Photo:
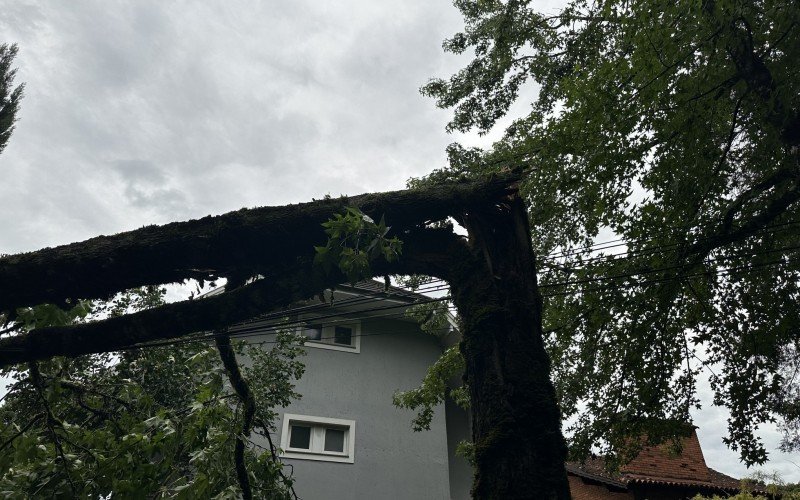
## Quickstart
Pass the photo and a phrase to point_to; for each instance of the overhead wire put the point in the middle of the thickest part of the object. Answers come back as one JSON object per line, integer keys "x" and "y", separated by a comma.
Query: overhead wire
{"x": 336, "y": 317}
{"x": 352, "y": 301}
{"x": 261, "y": 329}
{"x": 721, "y": 272}
{"x": 650, "y": 271}
{"x": 390, "y": 295}
{"x": 616, "y": 258}
{"x": 436, "y": 285}
{"x": 623, "y": 242}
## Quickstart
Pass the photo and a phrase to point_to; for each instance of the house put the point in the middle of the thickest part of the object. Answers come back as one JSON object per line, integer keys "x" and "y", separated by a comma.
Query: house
{"x": 657, "y": 473}
{"x": 344, "y": 439}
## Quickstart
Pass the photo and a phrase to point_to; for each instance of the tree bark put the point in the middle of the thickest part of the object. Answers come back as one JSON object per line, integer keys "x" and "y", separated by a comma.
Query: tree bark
{"x": 519, "y": 449}
{"x": 245, "y": 395}
{"x": 245, "y": 242}
{"x": 516, "y": 424}
{"x": 424, "y": 251}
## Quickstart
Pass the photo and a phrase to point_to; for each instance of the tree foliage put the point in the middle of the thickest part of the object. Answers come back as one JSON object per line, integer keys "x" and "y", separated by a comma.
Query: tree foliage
{"x": 10, "y": 96}
{"x": 149, "y": 422}
{"x": 677, "y": 128}
{"x": 761, "y": 486}
{"x": 355, "y": 240}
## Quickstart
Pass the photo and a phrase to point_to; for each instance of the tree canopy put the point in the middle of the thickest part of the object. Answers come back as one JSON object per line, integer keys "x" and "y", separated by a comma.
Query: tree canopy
{"x": 146, "y": 422}
{"x": 272, "y": 258}
{"x": 676, "y": 127}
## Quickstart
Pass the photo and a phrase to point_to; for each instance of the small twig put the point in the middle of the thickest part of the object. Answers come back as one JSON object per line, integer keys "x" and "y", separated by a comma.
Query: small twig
{"x": 51, "y": 420}
{"x": 71, "y": 384}
{"x": 274, "y": 452}
{"x": 21, "y": 431}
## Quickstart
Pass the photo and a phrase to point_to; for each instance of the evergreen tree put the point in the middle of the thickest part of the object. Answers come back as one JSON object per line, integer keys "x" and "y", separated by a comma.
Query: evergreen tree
{"x": 10, "y": 96}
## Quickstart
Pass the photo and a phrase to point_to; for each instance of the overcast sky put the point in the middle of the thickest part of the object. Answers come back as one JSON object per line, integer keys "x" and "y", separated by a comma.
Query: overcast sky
{"x": 148, "y": 112}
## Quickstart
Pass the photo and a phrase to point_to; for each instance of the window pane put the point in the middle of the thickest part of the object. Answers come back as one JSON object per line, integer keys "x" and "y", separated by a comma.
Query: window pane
{"x": 300, "y": 437}
{"x": 343, "y": 335}
{"x": 313, "y": 332}
{"x": 334, "y": 440}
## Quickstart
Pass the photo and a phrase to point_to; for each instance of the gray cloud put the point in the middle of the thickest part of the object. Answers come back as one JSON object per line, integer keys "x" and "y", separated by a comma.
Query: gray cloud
{"x": 232, "y": 104}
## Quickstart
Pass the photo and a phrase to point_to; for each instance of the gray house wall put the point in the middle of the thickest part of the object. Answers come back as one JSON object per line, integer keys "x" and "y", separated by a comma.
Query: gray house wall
{"x": 391, "y": 460}
{"x": 460, "y": 471}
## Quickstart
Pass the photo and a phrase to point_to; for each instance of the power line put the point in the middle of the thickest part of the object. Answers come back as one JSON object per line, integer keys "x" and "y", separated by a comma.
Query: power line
{"x": 649, "y": 271}
{"x": 210, "y": 337}
{"x": 266, "y": 329}
{"x": 629, "y": 254}
{"x": 325, "y": 305}
{"x": 433, "y": 285}
{"x": 601, "y": 245}
{"x": 262, "y": 329}
{"x": 315, "y": 307}
{"x": 721, "y": 272}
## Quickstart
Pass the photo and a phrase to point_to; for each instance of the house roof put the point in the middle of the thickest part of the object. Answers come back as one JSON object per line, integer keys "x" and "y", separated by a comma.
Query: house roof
{"x": 346, "y": 305}
{"x": 365, "y": 287}
{"x": 658, "y": 465}
{"x": 378, "y": 288}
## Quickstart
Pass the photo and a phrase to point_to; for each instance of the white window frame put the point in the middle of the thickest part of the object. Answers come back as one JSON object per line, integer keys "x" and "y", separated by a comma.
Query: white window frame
{"x": 317, "y": 443}
{"x": 328, "y": 329}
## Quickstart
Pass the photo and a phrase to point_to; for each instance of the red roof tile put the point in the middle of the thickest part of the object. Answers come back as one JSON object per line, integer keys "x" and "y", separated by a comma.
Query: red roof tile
{"x": 658, "y": 465}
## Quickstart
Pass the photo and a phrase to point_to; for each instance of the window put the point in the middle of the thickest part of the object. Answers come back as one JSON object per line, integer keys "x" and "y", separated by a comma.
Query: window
{"x": 318, "y": 438}
{"x": 338, "y": 334}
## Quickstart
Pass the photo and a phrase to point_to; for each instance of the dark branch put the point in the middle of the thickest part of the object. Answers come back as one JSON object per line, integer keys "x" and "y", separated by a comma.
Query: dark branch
{"x": 774, "y": 209}
{"x": 242, "y": 390}
{"x": 80, "y": 388}
{"x": 21, "y": 431}
{"x": 274, "y": 452}
{"x": 50, "y": 419}
{"x": 255, "y": 241}
{"x": 759, "y": 79}
{"x": 425, "y": 251}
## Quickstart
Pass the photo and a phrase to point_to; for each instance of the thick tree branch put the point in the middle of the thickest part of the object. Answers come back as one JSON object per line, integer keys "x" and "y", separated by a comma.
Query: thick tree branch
{"x": 758, "y": 77}
{"x": 425, "y": 251}
{"x": 519, "y": 449}
{"x": 727, "y": 234}
{"x": 242, "y": 390}
{"x": 250, "y": 241}
{"x": 775, "y": 179}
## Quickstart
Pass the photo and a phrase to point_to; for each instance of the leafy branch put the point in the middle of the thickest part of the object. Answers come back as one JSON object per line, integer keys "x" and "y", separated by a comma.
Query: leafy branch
{"x": 355, "y": 240}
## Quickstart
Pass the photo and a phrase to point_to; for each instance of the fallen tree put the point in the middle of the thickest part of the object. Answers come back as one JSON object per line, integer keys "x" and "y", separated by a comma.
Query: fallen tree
{"x": 519, "y": 449}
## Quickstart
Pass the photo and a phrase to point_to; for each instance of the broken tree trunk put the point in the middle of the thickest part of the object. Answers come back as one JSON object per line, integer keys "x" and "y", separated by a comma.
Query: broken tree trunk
{"x": 519, "y": 449}
{"x": 424, "y": 252}
{"x": 245, "y": 242}
{"x": 516, "y": 424}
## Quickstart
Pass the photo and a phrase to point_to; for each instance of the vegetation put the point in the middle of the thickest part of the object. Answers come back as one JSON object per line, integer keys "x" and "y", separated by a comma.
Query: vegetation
{"x": 148, "y": 422}
{"x": 675, "y": 128}
{"x": 518, "y": 449}
{"x": 762, "y": 486}
{"x": 10, "y": 96}
{"x": 355, "y": 240}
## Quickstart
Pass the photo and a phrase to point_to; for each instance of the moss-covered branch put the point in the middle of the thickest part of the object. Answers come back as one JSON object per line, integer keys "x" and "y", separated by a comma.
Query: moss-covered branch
{"x": 249, "y": 241}
{"x": 426, "y": 251}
